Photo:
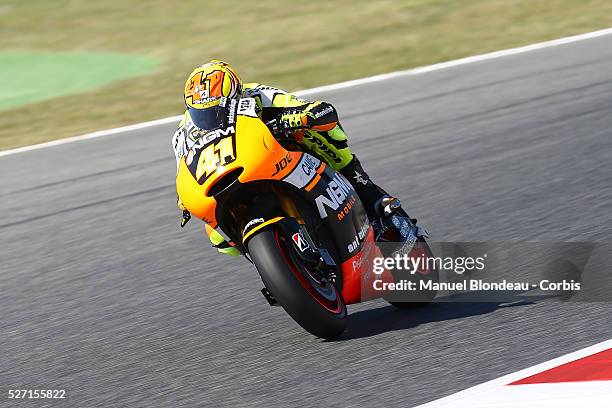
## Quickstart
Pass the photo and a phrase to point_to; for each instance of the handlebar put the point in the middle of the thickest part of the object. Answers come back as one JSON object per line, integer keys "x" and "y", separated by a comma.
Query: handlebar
{"x": 277, "y": 130}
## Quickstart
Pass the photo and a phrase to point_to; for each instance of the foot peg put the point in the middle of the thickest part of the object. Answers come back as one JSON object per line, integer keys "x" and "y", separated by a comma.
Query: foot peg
{"x": 387, "y": 206}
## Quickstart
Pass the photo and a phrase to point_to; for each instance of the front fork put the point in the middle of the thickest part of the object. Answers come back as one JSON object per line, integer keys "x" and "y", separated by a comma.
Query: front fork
{"x": 317, "y": 259}
{"x": 301, "y": 239}
{"x": 319, "y": 262}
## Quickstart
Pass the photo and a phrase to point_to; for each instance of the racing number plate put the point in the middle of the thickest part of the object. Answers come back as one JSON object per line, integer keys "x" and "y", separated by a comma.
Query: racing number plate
{"x": 216, "y": 149}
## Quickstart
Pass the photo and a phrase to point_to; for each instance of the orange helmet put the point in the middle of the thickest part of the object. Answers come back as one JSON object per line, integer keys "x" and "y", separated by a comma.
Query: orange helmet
{"x": 206, "y": 90}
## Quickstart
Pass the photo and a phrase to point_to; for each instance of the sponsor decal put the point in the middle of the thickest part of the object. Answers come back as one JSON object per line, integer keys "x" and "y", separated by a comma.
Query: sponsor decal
{"x": 324, "y": 112}
{"x": 246, "y": 107}
{"x": 300, "y": 241}
{"x": 304, "y": 171}
{"x": 352, "y": 247}
{"x": 252, "y": 223}
{"x": 345, "y": 210}
{"x": 213, "y": 135}
{"x": 309, "y": 164}
{"x": 203, "y": 94}
{"x": 359, "y": 178}
{"x": 402, "y": 225}
{"x": 205, "y": 99}
{"x": 231, "y": 116}
{"x": 175, "y": 139}
{"x": 282, "y": 164}
{"x": 365, "y": 256}
{"x": 336, "y": 194}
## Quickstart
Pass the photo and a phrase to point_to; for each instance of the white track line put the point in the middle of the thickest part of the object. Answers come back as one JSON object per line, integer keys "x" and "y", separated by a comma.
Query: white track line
{"x": 472, "y": 397}
{"x": 93, "y": 135}
{"x": 462, "y": 61}
{"x": 340, "y": 85}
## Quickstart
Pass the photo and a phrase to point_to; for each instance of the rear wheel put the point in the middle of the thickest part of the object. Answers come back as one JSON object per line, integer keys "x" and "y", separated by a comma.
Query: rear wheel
{"x": 312, "y": 301}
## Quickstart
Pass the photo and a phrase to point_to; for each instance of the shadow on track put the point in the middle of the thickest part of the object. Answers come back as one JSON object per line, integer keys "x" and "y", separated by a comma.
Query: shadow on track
{"x": 371, "y": 322}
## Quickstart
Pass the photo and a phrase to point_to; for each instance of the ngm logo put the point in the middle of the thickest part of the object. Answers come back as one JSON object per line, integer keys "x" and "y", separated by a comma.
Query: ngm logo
{"x": 337, "y": 192}
{"x": 204, "y": 138}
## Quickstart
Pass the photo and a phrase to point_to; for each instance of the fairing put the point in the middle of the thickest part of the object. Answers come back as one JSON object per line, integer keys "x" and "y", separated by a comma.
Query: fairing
{"x": 247, "y": 145}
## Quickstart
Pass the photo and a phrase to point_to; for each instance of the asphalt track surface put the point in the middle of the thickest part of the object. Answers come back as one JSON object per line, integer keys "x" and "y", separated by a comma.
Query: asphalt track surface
{"x": 102, "y": 294}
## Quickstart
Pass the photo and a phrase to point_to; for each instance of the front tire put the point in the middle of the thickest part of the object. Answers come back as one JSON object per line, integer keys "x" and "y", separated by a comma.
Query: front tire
{"x": 315, "y": 305}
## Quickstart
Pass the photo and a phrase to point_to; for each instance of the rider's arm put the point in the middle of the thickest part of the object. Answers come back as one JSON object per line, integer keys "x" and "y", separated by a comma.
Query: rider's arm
{"x": 179, "y": 140}
{"x": 295, "y": 112}
{"x": 320, "y": 116}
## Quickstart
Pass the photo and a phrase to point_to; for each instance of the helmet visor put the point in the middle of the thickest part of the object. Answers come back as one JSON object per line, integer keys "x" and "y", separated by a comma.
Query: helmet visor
{"x": 208, "y": 119}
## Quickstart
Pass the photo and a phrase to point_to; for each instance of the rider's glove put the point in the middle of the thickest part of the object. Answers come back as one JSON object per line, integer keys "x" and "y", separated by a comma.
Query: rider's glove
{"x": 295, "y": 120}
{"x": 319, "y": 116}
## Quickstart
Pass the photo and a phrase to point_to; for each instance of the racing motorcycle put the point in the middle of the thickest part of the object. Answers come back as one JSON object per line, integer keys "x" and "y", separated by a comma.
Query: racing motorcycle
{"x": 298, "y": 221}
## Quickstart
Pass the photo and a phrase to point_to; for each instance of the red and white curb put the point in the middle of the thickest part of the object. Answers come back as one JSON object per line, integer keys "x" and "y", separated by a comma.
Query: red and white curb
{"x": 579, "y": 379}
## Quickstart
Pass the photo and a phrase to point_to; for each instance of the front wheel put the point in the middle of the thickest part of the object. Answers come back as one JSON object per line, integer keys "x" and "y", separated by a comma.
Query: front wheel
{"x": 314, "y": 303}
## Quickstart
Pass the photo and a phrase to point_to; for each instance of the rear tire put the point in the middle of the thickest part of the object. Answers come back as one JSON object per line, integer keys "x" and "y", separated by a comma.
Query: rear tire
{"x": 317, "y": 307}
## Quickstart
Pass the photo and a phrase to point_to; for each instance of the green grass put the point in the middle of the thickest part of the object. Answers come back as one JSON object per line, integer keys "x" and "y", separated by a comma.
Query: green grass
{"x": 292, "y": 45}
{"x": 64, "y": 73}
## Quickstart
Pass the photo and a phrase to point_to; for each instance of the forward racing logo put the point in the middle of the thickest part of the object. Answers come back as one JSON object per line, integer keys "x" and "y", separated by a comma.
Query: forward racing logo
{"x": 337, "y": 192}
{"x": 359, "y": 178}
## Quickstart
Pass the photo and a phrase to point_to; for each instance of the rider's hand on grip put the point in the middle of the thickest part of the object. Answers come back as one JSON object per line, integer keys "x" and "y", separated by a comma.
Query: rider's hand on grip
{"x": 294, "y": 120}
{"x": 278, "y": 131}
{"x": 274, "y": 127}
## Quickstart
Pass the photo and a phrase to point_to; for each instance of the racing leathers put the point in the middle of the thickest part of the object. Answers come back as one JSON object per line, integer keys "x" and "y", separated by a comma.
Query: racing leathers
{"x": 314, "y": 125}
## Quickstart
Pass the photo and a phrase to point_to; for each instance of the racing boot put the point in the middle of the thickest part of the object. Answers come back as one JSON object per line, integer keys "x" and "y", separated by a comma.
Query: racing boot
{"x": 390, "y": 221}
{"x": 387, "y": 205}
{"x": 369, "y": 193}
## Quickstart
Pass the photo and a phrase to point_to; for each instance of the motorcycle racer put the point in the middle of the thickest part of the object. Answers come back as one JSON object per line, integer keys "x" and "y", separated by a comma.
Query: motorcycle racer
{"x": 312, "y": 124}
